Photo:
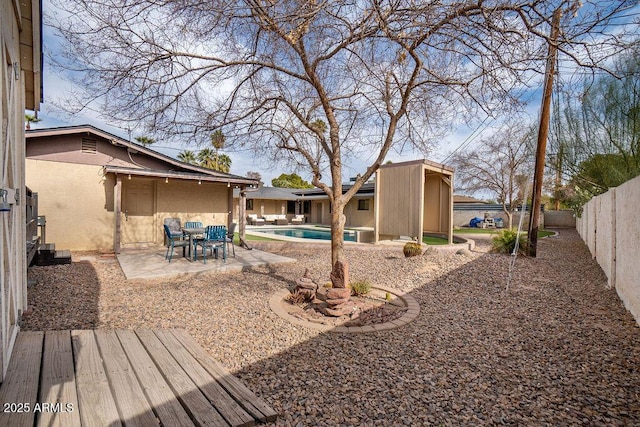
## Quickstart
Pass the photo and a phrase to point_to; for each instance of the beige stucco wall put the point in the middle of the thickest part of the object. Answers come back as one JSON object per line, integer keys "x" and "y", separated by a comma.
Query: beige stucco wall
{"x": 610, "y": 228}
{"x": 78, "y": 204}
{"x": 359, "y": 218}
{"x": 74, "y": 199}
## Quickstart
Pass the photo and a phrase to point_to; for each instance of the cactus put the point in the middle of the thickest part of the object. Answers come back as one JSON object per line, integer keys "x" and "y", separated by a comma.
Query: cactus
{"x": 412, "y": 249}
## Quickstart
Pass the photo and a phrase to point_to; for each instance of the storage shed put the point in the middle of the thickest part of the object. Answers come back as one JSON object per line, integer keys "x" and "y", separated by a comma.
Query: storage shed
{"x": 413, "y": 198}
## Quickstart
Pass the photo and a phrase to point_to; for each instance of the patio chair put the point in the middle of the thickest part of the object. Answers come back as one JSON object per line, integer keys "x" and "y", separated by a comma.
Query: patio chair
{"x": 229, "y": 239}
{"x": 215, "y": 237}
{"x": 173, "y": 241}
{"x": 193, "y": 238}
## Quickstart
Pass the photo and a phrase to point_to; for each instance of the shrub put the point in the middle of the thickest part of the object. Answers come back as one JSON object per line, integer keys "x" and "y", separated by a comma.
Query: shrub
{"x": 505, "y": 241}
{"x": 299, "y": 297}
{"x": 412, "y": 249}
{"x": 360, "y": 288}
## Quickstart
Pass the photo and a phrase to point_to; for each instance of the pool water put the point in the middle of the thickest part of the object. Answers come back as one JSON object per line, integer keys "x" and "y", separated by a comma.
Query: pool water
{"x": 305, "y": 233}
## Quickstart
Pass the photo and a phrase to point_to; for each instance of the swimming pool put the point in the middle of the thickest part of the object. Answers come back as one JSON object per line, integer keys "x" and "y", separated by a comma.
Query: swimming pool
{"x": 306, "y": 233}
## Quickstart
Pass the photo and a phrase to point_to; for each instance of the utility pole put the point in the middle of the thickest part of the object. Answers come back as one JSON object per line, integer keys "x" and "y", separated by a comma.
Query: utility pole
{"x": 543, "y": 130}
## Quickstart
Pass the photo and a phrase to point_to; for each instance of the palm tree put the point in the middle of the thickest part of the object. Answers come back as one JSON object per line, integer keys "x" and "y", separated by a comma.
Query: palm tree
{"x": 144, "y": 140}
{"x": 30, "y": 118}
{"x": 207, "y": 158}
{"x": 223, "y": 163}
{"x": 188, "y": 156}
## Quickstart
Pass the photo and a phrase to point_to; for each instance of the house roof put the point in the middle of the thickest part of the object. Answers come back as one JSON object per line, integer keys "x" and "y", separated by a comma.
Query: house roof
{"x": 279, "y": 193}
{"x": 268, "y": 193}
{"x": 187, "y": 171}
{"x": 460, "y": 198}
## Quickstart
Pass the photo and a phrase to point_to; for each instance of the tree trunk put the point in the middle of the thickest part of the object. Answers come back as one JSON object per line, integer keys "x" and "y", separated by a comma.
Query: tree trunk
{"x": 339, "y": 266}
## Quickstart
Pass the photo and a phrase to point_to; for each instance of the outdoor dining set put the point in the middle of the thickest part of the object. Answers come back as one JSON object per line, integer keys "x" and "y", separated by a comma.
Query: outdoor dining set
{"x": 193, "y": 236}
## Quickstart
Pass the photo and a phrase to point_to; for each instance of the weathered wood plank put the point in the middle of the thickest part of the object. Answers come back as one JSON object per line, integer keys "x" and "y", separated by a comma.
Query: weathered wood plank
{"x": 164, "y": 402}
{"x": 20, "y": 386}
{"x": 236, "y": 388}
{"x": 58, "y": 384}
{"x": 133, "y": 406}
{"x": 97, "y": 406}
{"x": 192, "y": 399}
{"x": 218, "y": 396}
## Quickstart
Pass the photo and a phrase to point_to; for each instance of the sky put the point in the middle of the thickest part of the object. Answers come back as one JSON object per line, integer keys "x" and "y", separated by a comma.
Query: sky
{"x": 462, "y": 134}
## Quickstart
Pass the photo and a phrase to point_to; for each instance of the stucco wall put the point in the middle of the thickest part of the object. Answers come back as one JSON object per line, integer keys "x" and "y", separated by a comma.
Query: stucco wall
{"x": 627, "y": 244}
{"x": 359, "y": 218}
{"x": 605, "y": 231}
{"x": 560, "y": 219}
{"x": 73, "y": 199}
{"x": 609, "y": 226}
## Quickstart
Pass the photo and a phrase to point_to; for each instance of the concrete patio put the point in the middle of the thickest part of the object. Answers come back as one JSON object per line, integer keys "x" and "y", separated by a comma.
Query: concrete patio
{"x": 150, "y": 263}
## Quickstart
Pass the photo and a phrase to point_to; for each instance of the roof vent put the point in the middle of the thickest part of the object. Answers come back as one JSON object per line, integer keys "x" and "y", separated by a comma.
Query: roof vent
{"x": 88, "y": 146}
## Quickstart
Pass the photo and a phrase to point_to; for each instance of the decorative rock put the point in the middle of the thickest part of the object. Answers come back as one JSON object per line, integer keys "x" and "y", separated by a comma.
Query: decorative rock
{"x": 340, "y": 275}
{"x": 306, "y": 284}
{"x": 463, "y": 251}
{"x": 337, "y": 301}
{"x": 338, "y": 293}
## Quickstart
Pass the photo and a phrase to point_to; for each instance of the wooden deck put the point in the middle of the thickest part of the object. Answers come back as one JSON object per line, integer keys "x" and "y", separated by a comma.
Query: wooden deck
{"x": 123, "y": 377}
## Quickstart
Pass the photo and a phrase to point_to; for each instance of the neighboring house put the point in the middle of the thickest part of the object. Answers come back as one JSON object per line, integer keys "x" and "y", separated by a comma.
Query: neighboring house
{"x": 20, "y": 77}
{"x": 101, "y": 192}
{"x": 406, "y": 199}
{"x": 312, "y": 203}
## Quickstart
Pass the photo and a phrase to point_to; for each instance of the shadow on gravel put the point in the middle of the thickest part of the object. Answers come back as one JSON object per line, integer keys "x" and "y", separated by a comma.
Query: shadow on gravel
{"x": 64, "y": 296}
{"x": 556, "y": 348}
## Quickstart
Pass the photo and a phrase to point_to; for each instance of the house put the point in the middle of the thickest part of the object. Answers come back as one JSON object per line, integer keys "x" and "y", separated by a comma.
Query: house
{"x": 20, "y": 77}
{"x": 312, "y": 203}
{"x": 103, "y": 193}
{"x": 407, "y": 199}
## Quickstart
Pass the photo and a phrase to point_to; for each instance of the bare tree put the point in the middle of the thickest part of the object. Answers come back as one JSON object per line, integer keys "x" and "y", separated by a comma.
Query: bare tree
{"x": 267, "y": 73}
{"x": 498, "y": 165}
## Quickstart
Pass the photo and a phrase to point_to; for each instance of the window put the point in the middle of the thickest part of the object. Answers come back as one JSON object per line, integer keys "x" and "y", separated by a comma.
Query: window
{"x": 363, "y": 204}
{"x": 88, "y": 146}
{"x": 249, "y": 204}
{"x": 306, "y": 207}
{"x": 291, "y": 206}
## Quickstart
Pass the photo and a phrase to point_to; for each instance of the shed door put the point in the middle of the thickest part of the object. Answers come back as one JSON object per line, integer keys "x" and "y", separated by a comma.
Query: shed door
{"x": 12, "y": 223}
{"x": 138, "y": 207}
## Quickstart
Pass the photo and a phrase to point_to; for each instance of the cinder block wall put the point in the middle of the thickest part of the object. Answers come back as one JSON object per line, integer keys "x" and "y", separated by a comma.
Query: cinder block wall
{"x": 609, "y": 226}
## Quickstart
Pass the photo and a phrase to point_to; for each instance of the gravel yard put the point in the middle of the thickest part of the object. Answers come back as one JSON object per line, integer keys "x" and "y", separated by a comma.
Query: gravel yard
{"x": 557, "y": 348}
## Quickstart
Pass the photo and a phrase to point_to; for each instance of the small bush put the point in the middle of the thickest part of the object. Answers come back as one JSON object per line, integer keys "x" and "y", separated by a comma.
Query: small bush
{"x": 360, "y": 288}
{"x": 412, "y": 249}
{"x": 505, "y": 241}
{"x": 299, "y": 297}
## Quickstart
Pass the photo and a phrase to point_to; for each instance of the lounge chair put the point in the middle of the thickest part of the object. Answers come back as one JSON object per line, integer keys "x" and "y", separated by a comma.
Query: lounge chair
{"x": 253, "y": 219}
{"x": 297, "y": 220}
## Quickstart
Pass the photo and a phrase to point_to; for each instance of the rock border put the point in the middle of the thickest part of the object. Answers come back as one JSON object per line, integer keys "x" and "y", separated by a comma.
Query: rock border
{"x": 413, "y": 309}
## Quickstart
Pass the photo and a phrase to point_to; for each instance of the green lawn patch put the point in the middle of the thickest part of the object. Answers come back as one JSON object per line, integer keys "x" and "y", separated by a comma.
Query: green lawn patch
{"x": 432, "y": 240}
{"x": 541, "y": 233}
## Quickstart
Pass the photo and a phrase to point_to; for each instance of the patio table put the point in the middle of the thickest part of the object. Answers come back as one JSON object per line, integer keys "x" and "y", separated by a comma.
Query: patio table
{"x": 192, "y": 233}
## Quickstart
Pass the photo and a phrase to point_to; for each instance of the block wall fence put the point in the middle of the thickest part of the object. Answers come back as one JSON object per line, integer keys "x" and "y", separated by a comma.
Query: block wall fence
{"x": 610, "y": 226}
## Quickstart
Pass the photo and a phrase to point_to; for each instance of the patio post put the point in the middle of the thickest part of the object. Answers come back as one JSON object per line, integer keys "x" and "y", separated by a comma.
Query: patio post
{"x": 242, "y": 220}
{"x": 117, "y": 207}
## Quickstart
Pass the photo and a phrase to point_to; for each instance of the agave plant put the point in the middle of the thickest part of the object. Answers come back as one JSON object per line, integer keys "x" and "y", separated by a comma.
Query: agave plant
{"x": 505, "y": 241}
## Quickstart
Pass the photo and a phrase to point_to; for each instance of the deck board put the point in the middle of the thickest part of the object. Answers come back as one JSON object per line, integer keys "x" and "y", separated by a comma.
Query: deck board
{"x": 228, "y": 407}
{"x": 130, "y": 399}
{"x": 21, "y": 383}
{"x": 164, "y": 402}
{"x": 123, "y": 377}
{"x": 192, "y": 399}
{"x": 96, "y": 403}
{"x": 58, "y": 382}
{"x": 254, "y": 405}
